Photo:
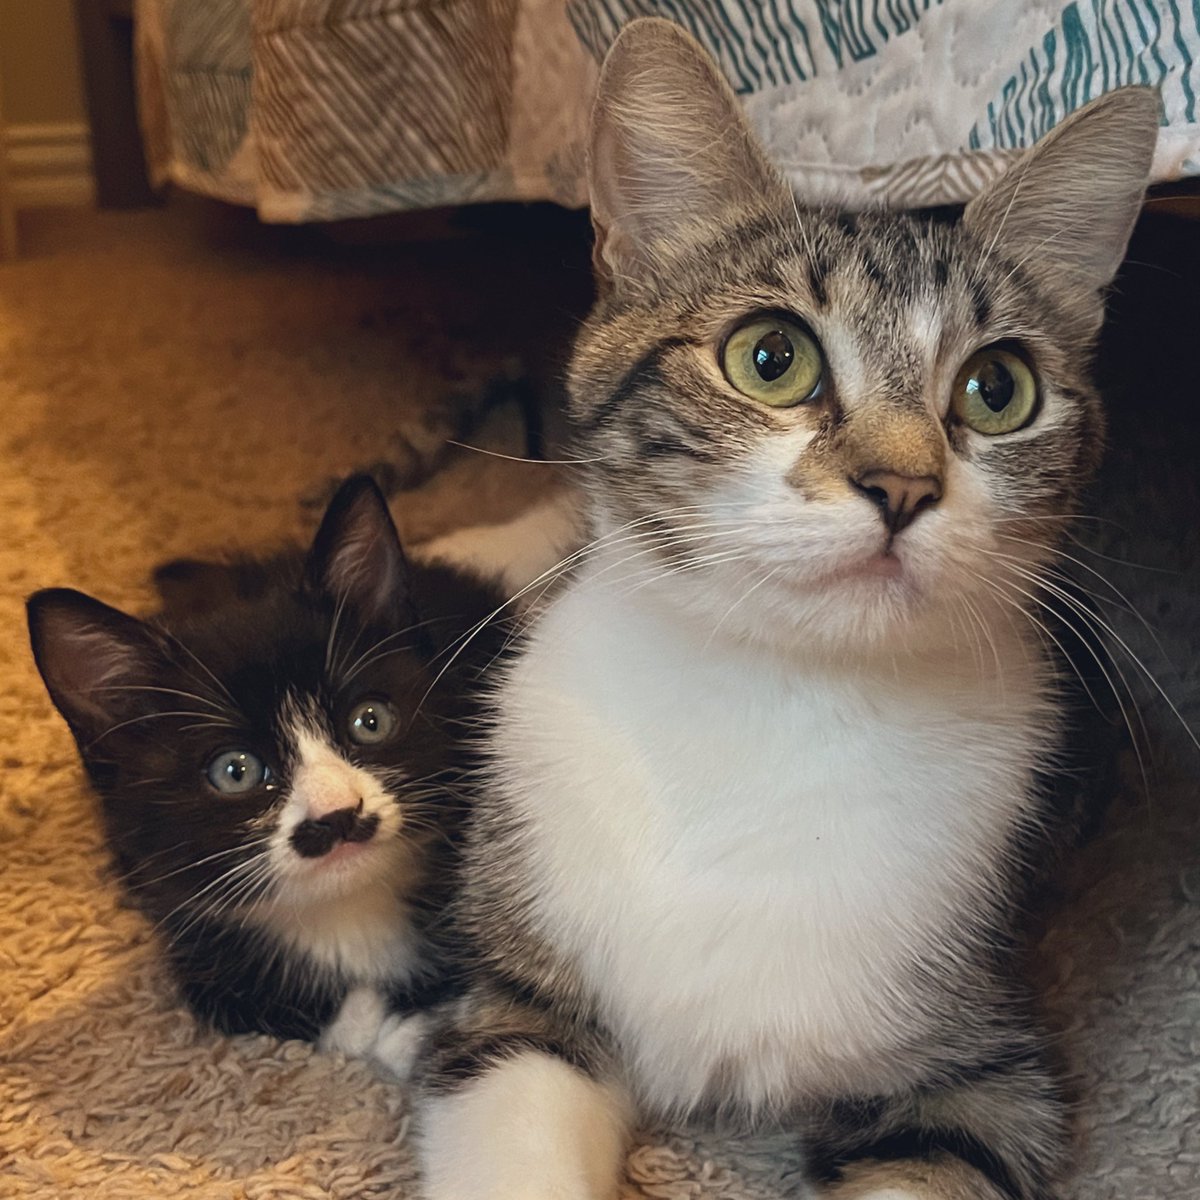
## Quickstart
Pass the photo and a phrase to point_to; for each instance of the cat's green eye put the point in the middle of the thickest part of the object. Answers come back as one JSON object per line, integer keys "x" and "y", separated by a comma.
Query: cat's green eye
{"x": 237, "y": 772}
{"x": 995, "y": 392}
{"x": 774, "y": 361}
{"x": 373, "y": 722}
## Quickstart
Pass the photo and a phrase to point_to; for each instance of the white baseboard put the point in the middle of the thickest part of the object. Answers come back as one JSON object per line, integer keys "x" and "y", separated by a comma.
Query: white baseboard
{"x": 49, "y": 164}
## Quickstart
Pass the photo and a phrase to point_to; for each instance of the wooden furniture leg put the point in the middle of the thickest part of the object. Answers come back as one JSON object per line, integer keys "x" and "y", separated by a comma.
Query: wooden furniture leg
{"x": 106, "y": 44}
{"x": 8, "y": 213}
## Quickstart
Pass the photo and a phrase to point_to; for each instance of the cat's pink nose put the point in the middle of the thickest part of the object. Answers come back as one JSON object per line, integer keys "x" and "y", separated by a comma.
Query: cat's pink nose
{"x": 325, "y": 788}
{"x": 901, "y": 499}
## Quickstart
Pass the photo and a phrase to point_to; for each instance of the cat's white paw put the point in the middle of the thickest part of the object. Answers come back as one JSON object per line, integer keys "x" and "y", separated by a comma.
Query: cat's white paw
{"x": 398, "y": 1044}
{"x": 883, "y": 1191}
{"x": 942, "y": 1178}
{"x": 358, "y": 1023}
{"x": 892, "y": 1193}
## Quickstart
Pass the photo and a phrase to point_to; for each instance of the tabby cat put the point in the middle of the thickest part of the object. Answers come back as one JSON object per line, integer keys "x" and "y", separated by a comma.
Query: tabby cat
{"x": 760, "y": 801}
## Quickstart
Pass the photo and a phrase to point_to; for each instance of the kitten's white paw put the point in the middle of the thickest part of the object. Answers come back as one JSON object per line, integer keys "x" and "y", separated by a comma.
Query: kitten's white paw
{"x": 398, "y": 1043}
{"x": 358, "y": 1022}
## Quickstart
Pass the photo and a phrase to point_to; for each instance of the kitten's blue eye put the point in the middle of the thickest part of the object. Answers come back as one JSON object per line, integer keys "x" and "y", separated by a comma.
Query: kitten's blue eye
{"x": 237, "y": 772}
{"x": 373, "y": 722}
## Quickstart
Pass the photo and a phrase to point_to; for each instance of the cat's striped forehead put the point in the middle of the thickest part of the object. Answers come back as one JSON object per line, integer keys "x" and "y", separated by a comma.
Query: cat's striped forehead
{"x": 904, "y": 285}
{"x": 897, "y": 303}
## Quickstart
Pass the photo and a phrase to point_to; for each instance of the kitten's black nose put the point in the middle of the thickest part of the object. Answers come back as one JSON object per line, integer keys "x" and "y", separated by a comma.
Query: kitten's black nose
{"x": 901, "y": 499}
{"x": 317, "y": 836}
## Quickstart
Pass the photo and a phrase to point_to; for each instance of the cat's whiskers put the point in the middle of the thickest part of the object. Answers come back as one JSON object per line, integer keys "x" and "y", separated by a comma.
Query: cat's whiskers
{"x": 761, "y": 582}
{"x": 217, "y": 707}
{"x": 241, "y": 848}
{"x": 1120, "y": 562}
{"x": 680, "y": 537}
{"x": 983, "y": 634}
{"x": 679, "y": 541}
{"x": 213, "y": 906}
{"x": 1108, "y": 633}
{"x": 1124, "y": 600}
{"x": 331, "y": 641}
{"x": 546, "y": 580}
{"x": 359, "y": 665}
{"x": 1036, "y": 249}
{"x": 657, "y": 572}
{"x": 808, "y": 246}
{"x": 246, "y": 895}
{"x": 415, "y": 827}
{"x": 1065, "y": 519}
{"x": 153, "y": 716}
{"x": 1055, "y": 581}
{"x": 546, "y": 462}
{"x": 199, "y": 725}
{"x": 221, "y": 688}
{"x": 991, "y": 246}
{"x": 1035, "y": 602}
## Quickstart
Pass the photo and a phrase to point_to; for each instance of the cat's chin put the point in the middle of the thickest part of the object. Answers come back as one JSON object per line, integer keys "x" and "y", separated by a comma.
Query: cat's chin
{"x": 876, "y": 567}
{"x": 870, "y": 605}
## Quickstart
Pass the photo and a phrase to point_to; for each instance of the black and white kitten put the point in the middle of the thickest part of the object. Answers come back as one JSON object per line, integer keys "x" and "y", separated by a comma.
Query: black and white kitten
{"x": 277, "y": 757}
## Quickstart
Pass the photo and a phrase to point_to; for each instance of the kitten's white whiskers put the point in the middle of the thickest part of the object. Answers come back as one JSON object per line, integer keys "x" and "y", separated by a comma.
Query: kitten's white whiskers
{"x": 217, "y": 707}
{"x": 200, "y": 862}
{"x": 206, "y": 718}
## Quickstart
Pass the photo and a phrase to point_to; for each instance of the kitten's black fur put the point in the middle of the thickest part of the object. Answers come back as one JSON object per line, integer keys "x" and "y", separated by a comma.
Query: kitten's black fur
{"x": 238, "y": 655}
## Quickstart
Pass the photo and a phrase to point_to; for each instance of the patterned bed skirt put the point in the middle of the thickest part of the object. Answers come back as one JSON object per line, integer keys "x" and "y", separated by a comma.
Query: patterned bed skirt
{"x": 314, "y": 110}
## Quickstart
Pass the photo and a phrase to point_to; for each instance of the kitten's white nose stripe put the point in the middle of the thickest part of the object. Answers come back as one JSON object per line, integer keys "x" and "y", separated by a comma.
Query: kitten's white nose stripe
{"x": 324, "y": 782}
{"x": 325, "y": 787}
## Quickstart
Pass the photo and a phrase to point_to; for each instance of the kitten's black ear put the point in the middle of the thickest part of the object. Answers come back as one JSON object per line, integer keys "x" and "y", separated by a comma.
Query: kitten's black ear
{"x": 671, "y": 157}
{"x": 1067, "y": 207}
{"x": 356, "y": 557}
{"x": 93, "y": 659}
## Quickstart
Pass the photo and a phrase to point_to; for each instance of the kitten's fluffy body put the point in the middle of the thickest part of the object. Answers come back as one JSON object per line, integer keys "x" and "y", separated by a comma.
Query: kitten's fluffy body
{"x": 762, "y": 797}
{"x": 313, "y": 903}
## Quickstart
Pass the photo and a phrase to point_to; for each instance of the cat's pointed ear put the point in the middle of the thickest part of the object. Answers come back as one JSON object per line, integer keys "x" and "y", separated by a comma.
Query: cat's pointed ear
{"x": 356, "y": 557}
{"x": 1066, "y": 208}
{"x": 671, "y": 155}
{"x": 96, "y": 661}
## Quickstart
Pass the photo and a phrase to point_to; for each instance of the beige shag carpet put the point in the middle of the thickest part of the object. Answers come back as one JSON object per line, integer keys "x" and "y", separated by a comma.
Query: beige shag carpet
{"x": 171, "y": 383}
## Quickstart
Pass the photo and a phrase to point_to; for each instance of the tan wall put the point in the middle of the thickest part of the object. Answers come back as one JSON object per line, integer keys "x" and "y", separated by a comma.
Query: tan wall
{"x": 39, "y": 62}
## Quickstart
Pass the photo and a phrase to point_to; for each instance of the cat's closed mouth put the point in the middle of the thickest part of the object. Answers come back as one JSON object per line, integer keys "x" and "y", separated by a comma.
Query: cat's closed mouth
{"x": 343, "y": 854}
{"x": 883, "y": 565}
{"x": 879, "y": 566}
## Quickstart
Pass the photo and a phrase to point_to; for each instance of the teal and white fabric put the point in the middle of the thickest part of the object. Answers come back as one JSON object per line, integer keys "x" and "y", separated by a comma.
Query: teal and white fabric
{"x": 319, "y": 109}
{"x": 916, "y": 102}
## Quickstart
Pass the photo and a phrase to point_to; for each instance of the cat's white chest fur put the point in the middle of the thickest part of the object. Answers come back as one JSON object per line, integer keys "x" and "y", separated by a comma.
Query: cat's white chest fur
{"x": 744, "y": 857}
